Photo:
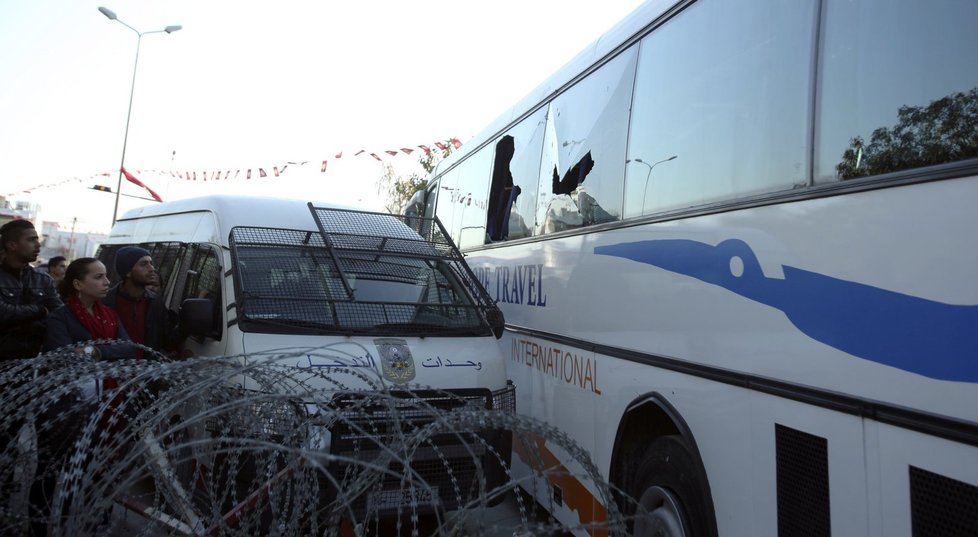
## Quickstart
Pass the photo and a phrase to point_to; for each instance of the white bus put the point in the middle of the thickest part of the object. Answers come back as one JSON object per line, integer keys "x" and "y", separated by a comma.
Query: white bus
{"x": 734, "y": 243}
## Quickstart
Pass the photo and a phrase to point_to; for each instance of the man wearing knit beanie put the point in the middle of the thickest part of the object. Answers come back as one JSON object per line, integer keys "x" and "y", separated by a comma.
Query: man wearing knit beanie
{"x": 128, "y": 256}
{"x": 142, "y": 311}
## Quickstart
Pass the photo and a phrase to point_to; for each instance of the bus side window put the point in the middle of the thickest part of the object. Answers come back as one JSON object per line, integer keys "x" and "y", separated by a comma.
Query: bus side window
{"x": 899, "y": 87}
{"x": 729, "y": 119}
{"x": 514, "y": 180}
{"x": 584, "y": 149}
{"x": 502, "y": 194}
{"x": 472, "y": 199}
{"x": 491, "y": 196}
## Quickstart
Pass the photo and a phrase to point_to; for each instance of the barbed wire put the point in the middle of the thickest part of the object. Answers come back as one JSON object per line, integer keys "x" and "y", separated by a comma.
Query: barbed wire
{"x": 253, "y": 445}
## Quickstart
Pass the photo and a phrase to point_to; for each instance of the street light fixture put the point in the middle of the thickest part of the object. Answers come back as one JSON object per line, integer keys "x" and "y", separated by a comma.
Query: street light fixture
{"x": 645, "y": 191}
{"x": 103, "y": 188}
{"x": 169, "y": 29}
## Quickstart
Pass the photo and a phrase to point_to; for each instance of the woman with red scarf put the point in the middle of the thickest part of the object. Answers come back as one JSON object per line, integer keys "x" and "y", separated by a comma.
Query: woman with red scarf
{"x": 83, "y": 317}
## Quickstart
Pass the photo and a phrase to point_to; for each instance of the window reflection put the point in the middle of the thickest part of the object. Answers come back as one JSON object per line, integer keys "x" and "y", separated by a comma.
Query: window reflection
{"x": 448, "y": 202}
{"x": 873, "y": 117}
{"x": 724, "y": 88}
{"x": 472, "y": 199}
{"x": 648, "y": 175}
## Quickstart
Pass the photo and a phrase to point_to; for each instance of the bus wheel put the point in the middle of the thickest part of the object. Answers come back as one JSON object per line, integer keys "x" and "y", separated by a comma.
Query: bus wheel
{"x": 668, "y": 495}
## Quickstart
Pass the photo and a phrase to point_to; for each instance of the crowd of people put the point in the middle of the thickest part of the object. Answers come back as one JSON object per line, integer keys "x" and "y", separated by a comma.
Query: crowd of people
{"x": 73, "y": 307}
{"x": 74, "y": 302}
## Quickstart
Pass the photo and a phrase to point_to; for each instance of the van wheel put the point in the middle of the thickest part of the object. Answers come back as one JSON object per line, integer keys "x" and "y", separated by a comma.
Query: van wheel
{"x": 669, "y": 495}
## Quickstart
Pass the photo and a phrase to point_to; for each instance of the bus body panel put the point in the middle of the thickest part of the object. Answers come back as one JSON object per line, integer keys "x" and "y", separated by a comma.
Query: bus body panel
{"x": 802, "y": 281}
{"x": 904, "y": 262}
{"x": 649, "y": 310}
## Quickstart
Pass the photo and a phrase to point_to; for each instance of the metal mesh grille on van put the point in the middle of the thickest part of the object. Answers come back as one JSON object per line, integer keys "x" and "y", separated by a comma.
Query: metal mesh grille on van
{"x": 376, "y": 277}
{"x": 400, "y": 235}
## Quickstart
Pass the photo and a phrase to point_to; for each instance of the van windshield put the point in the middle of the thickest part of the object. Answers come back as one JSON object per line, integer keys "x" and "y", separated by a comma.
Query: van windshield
{"x": 292, "y": 281}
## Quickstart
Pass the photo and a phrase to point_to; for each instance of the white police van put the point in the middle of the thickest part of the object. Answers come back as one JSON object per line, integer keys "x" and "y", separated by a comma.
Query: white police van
{"x": 384, "y": 294}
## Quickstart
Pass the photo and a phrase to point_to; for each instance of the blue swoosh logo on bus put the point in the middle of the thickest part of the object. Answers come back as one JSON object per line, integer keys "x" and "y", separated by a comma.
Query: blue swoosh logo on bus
{"x": 926, "y": 337}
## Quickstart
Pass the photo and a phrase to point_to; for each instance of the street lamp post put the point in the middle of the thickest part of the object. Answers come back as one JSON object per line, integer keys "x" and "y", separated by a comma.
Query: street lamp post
{"x": 132, "y": 89}
{"x": 645, "y": 191}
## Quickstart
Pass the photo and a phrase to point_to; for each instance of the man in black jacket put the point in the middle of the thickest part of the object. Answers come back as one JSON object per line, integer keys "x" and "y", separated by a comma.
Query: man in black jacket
{"x": 26, "y": 298}
{"x": 26, "y": 295}
{"x": 143, "y": 313}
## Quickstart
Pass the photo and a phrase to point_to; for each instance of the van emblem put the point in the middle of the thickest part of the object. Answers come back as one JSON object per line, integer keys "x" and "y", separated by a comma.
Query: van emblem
{"x": 396, "y": 360}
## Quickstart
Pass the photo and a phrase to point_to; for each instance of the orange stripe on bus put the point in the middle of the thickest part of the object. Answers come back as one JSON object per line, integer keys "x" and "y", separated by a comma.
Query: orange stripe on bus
{"x": 590, "y": 512}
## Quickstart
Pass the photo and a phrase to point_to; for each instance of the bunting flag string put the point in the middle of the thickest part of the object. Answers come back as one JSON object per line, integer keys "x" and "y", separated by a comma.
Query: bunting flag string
{"x": 225, "y": 174}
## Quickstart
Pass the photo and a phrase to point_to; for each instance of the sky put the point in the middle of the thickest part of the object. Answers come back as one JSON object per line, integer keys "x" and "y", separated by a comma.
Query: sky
{"x": 249, "y": 84}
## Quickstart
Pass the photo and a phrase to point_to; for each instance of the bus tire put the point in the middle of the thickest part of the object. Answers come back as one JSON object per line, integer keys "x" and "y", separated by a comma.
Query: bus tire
{"x": 669, "y": 497}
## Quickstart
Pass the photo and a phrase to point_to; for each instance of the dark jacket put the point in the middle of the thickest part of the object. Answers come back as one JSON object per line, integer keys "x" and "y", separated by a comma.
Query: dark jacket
{"x": 161, "y": 331}
{"x": 64, "y": 328}
{"x": 24, "y": 297}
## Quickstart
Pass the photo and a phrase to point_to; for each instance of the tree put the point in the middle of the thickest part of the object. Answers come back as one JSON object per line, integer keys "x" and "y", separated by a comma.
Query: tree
{"x": 398, "y": 189}
{"x": 946, "y": 130}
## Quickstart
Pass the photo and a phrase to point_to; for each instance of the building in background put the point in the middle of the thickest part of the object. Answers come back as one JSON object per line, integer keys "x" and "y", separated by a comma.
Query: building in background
{"x": 57, "y": 238}
{"x": 16, "y": 210}
{"x": 70, "y": 243}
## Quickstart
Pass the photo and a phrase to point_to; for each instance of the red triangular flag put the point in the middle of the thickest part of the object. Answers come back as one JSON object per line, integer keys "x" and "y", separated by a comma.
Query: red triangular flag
{"x": 441, "y": 146}
{"x": 374, "y": 155}
{"x": 456, "y": 143}
{"x": 391, "y": 153}
{"x": 324, "y": 165}
{"x": 407, "y": 150}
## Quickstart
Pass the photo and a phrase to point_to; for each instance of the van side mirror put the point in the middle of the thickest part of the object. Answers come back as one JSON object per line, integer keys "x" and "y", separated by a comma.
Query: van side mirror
{"x": 496, "y": 321}
{"x": 196, "y": 316}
